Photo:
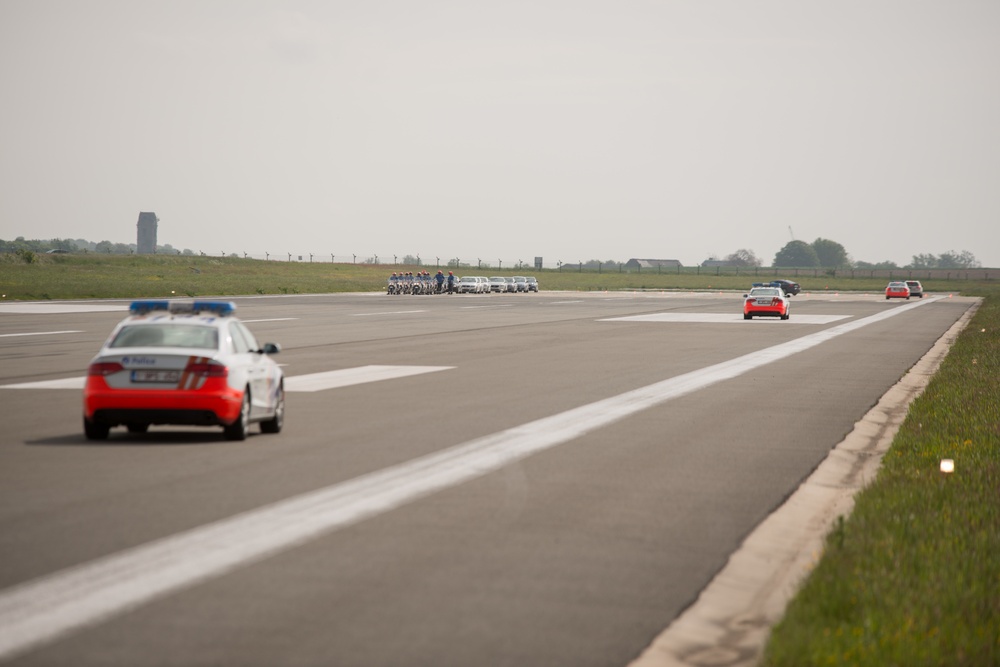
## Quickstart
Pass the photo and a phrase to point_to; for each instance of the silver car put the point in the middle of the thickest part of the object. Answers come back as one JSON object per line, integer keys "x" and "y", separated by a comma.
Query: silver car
{"x": 468, "y": 285}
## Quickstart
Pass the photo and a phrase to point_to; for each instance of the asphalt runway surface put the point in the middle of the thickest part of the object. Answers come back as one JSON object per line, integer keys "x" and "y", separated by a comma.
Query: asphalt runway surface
{"x": 519, "y": 479}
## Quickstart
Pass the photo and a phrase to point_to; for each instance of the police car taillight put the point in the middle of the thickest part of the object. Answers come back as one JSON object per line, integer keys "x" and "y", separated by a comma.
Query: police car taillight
{"x": 102, "y": 368}
{"x": 206, "y": 369}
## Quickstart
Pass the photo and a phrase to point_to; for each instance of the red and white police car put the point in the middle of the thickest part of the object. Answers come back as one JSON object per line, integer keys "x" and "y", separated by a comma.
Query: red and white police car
{"x": 188, "y": 363}
{"x": 767, "y": 301}
{"x": 897, "y": 289}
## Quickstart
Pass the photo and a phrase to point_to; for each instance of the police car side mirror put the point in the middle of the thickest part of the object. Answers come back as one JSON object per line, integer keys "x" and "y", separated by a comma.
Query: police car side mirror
{"x": 271, "y": 348}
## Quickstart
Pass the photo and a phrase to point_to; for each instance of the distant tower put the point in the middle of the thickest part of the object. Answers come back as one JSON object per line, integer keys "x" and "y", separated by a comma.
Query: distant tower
{"x": 147, "y": 233}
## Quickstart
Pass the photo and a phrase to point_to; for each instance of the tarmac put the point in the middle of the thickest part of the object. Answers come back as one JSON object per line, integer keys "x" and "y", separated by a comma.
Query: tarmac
{"x": 730, "y": 622}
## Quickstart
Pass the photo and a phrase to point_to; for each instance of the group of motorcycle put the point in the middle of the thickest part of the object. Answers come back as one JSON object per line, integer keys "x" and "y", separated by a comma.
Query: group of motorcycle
{"x": 420, "y": 282}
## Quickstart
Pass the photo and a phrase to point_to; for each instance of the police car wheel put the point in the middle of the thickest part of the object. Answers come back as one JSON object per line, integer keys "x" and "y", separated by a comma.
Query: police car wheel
{"x": 95, "y": 430}
{"x": 274, "y": 425}
{"x": 238, "y": 429}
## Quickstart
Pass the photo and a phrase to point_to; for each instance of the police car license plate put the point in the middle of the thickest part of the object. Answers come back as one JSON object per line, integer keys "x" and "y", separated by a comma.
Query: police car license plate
{"x": 149, "y": 375}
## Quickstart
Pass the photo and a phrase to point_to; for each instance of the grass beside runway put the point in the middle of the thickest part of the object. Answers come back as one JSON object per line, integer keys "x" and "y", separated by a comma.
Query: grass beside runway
{"x": 96, "y": 276}
{"x": 912, "y": 576}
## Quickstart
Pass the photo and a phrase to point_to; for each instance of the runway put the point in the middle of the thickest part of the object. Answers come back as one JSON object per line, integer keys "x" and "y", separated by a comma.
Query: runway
{"x": 557, "y": 477}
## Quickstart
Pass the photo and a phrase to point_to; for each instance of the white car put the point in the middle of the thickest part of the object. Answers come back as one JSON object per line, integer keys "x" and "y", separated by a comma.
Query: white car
{"x": 532, "y": 284}
{"x": 468, "y": 285}
{"x": 498, "y": 284}
{"x": 183, "y": 363}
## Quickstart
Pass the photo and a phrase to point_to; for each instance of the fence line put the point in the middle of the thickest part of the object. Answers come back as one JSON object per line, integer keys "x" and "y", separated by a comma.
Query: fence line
{"x": 501, "y": 266}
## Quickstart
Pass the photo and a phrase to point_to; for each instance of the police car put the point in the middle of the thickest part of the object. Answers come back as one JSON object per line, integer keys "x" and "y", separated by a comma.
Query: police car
{"x": 766, "y": 301}
{"x": 897, "y": 289}
{"x": 183, "y": 363}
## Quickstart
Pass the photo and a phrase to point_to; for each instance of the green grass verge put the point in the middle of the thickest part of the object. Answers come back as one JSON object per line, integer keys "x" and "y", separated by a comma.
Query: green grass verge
{"x": 31, "y": 277}
{"x": 912, "y": 577}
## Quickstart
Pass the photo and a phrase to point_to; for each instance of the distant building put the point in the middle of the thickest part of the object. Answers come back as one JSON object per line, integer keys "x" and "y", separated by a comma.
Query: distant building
{"x": 146, "y": 239}
{"x": 713, "y": 263}
{"x": 642, "y": 264}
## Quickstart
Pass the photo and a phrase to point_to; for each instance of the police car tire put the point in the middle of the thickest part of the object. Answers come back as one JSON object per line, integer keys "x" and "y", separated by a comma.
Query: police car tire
{"x": 238, "y": 429}
{"x": 95, "y": 430}
{"x": 274, "y": 425}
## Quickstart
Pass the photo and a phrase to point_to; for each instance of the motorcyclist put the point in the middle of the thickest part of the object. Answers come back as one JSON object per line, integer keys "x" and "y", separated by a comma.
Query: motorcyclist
{"x": 451, "y": 282}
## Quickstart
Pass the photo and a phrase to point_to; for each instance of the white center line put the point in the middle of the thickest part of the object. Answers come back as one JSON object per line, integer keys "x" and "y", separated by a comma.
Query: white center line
{"x": 42, "y": 610}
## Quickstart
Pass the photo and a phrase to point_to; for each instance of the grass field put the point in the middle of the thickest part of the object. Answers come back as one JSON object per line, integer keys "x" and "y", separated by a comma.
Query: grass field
{"x": 31, "y": 276}
{"x": 911, "y": 578}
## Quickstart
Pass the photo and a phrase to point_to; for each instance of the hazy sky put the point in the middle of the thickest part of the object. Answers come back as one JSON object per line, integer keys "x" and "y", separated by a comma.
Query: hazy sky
{"x": 571, "y": 130}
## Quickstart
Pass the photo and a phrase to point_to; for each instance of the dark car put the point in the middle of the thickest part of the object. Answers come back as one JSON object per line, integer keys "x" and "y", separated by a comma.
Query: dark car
{"x": 787, "y": 286}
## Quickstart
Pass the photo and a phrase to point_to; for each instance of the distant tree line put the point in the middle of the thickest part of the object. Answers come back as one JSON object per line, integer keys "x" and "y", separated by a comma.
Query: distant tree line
{"x": 821, "y": 253}
{"x": 824, "y": 253}
{"x": 20, "y": 244}
{"x": 827, "y": 254}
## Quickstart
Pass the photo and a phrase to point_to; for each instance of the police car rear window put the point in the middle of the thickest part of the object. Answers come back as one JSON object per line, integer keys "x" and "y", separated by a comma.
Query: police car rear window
{"x": 172, "y": 335}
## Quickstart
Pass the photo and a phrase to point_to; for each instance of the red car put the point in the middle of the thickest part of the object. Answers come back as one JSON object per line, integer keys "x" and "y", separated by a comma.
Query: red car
{"x": 767, "y": 301}
{"x": 897, "y": 290}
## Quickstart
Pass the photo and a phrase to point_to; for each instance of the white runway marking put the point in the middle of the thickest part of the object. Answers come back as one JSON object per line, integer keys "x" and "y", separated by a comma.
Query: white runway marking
{"x": 724, "y": 318}
{"x": 40, "y": 611}
{"x": 64, "y": 383}
{"x": 351, "y": 376}
{"x": 38, "y": 333}
{"x": 272, "y": 319}
{"x": 56, "y": 308}
{"x": 388, "y": 312}
{"x": 311, "y": 382}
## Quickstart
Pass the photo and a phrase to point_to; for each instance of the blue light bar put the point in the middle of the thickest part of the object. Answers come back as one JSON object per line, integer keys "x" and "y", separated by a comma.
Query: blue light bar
{"x": 146, "y": 307}
{"x": 219, "y": 308}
